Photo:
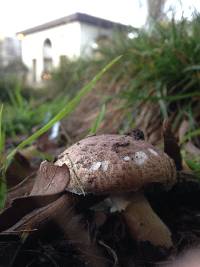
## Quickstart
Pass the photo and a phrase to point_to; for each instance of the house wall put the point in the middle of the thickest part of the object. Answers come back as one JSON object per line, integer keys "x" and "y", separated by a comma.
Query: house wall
{"x": 65, "y": 40}
{"x": 89, "y": 34}
{"x": 72, "y": 40}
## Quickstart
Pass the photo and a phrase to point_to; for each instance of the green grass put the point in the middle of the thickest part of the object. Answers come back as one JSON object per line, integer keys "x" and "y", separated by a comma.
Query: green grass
{"x": 190, "y": 135}
{"x": 98, "y": 121}
{"x": 194, "y": 165}
{"x": 20, "y": 119}
{"x": 162, "y": 67}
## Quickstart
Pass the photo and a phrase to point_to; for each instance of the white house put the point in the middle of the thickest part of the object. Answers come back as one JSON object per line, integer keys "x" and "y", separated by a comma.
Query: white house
{"x": 72, "y": 36}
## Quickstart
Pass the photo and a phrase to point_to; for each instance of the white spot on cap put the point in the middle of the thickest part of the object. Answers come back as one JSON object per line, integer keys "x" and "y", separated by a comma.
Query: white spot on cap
{"x": 95, "y": 166}
{"x": 140, "y": 157}
{"x": 104, "y": 165}
{"x": 99, "y": 164}
{"x": 153, "y": 152}
{"x": 126, "y": 158}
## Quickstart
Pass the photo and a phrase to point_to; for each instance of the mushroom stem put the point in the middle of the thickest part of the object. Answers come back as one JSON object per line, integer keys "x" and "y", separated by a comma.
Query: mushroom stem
{"x": 144, "y": 224}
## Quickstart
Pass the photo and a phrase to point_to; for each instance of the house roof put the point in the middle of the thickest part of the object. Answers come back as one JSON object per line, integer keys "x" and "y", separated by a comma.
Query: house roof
{"x": 81, "y": 17}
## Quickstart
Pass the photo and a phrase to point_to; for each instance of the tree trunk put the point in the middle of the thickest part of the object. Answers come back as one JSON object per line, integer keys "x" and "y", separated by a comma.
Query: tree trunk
{"x": 155, "y": 11}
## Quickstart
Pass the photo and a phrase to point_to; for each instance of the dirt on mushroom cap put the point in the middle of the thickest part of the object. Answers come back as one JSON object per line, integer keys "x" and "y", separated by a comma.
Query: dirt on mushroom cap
{"x": 115, "y": 164}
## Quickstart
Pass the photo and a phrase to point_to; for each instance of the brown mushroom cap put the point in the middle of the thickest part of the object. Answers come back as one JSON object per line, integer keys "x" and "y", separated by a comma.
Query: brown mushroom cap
{"x": 115, "y": 164}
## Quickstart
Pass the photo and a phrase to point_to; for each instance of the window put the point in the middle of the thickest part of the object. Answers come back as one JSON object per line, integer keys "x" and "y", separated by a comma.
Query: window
{"x": 47, "y": 59}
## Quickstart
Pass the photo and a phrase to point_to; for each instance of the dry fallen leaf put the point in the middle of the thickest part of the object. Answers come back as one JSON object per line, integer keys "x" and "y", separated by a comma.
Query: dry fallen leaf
{"x": 51, "y": 179}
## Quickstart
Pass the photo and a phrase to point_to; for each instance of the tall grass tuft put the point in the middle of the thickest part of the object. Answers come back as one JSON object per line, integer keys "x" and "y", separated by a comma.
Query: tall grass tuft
{"x": 161, "y": 67}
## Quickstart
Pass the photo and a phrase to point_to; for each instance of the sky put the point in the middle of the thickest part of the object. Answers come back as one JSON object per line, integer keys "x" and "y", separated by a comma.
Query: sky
{"x": 18, "y": 15}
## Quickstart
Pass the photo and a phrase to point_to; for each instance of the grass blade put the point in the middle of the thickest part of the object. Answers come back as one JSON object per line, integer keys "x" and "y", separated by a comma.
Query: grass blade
{"x": 98, "y": 120}
{"x": 191, "y": 134}
{"x": 194, "y": 166}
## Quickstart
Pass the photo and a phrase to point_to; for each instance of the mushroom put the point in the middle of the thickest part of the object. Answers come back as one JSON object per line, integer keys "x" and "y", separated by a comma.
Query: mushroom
{"x": 122, "y": 166}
